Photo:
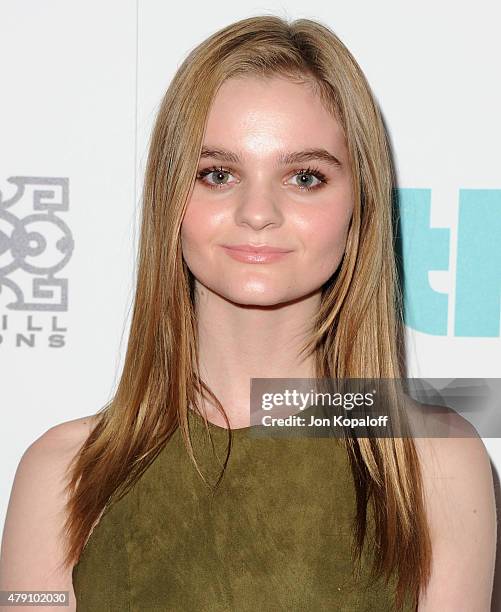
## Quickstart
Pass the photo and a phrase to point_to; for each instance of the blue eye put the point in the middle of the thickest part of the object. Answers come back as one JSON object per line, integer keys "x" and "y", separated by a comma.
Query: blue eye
{"x": 220, "y": 173}
{"x": 213, "y": 170}
{"x": 311, "y": 172}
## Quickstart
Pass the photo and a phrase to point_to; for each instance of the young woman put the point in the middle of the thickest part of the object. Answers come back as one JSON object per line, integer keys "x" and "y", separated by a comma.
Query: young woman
{"x": 267, "y": 139}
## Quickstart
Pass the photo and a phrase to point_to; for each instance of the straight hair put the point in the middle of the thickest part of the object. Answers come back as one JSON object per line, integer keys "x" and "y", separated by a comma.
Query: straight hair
{"x": 358, "y": 329}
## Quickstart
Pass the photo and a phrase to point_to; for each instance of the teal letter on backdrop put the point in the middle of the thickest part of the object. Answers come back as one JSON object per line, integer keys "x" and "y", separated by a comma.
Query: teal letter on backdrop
{"x": 423, "y": 249}
{"x": 478, "y": 277}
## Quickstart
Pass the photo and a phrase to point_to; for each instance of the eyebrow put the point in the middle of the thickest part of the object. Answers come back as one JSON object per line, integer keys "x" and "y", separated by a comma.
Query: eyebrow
{"x": 284, "y": 159}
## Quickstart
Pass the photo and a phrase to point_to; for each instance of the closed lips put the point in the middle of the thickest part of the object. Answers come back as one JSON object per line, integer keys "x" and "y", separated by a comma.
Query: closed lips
{"x": 248, "y": 248}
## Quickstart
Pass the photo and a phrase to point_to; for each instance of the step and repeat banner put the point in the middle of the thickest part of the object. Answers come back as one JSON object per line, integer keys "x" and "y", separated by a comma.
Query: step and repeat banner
{"x": 81, "y": 84}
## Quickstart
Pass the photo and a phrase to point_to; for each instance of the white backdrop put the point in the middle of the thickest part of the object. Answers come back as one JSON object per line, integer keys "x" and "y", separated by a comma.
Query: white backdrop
{"x": 81, "y": 85}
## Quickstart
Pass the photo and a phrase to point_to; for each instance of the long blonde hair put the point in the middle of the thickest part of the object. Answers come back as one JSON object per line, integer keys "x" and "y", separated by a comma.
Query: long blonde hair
{"x": 358, "y": 331}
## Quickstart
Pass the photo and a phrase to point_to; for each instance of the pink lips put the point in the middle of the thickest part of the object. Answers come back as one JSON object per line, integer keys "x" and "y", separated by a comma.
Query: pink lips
{"x": 249, "y": 253}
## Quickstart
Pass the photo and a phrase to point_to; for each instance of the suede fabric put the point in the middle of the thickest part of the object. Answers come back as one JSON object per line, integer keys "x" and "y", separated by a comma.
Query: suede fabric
{"x": 275, "y": 536}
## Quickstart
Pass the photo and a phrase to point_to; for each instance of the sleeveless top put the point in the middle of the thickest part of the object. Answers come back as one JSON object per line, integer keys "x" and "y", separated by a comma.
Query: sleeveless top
{"x": 276, "y": 535}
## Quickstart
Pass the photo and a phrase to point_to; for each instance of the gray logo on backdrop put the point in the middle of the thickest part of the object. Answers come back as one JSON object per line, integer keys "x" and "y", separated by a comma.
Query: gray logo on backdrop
{"x": 35, "y": 244}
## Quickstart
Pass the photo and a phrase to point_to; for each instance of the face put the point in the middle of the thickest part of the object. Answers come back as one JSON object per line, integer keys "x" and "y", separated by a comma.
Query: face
{"x": 250, "y": 190}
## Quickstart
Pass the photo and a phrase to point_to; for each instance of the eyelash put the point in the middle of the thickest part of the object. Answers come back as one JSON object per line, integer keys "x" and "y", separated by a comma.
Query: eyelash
{"x": 312, "y": 171}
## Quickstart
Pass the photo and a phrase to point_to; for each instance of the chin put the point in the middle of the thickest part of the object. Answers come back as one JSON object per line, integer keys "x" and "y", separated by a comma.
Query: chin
{"x": 268, "y": 297}
{"x": 256, "y": 301}
{"x": 251, "y": 292}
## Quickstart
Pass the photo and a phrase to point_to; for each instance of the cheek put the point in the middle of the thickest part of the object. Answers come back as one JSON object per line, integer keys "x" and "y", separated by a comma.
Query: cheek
{"x": 196, "y": 229}
{"x": 324, "y": 240}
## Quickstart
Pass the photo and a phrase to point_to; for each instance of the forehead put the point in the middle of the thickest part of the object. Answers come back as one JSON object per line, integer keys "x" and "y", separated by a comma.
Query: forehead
{"x": 262, "y": 115}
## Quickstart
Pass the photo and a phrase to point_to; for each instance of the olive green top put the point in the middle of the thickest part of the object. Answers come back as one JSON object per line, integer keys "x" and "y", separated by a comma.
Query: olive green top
{"x": 275, "y": 536}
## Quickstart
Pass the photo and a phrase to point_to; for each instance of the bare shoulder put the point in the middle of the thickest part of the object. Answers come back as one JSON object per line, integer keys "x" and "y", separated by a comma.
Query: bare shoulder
{"x": 32, "y": 546}
{"x": 460, "y": 442}
{"x": 69, "y": 433}
{"x": 461, "y": 510}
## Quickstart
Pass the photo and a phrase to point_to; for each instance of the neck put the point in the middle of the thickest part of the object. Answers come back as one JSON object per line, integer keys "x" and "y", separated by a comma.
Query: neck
{"x": 240, "y": 342}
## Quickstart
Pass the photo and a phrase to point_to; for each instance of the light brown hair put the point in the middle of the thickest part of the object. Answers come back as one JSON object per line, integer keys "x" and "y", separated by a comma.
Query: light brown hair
{"x": 358, "y": 330}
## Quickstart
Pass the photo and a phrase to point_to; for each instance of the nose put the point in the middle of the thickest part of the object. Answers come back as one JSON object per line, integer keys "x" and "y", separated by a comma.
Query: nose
{"x": 258, "y": 208}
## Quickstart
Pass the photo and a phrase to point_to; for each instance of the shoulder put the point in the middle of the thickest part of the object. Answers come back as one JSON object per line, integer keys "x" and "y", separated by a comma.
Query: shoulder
{"x": 49, "y": 456}
{"x": 32, "y": 547}
{"x": 63, "y": 438}
{"x": 461, "y": 512}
